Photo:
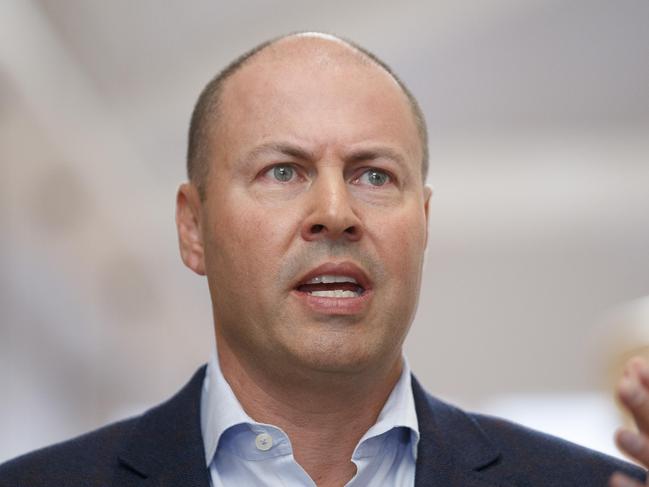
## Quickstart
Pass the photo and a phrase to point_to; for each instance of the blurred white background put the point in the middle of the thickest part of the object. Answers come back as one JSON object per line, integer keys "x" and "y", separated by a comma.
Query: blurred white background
{"x": 538, "y": 114}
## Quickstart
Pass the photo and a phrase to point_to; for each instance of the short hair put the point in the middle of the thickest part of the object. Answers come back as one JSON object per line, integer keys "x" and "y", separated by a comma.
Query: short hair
{"x": 205, "y": 111}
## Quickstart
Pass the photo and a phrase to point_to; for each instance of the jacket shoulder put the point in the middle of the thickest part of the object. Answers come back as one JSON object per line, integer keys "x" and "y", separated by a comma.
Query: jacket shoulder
{"x": 529, "y": 454}
{"x": 462, "y": 448}
{"x": 86, "y": 460}
{"x": 167, "y": 435}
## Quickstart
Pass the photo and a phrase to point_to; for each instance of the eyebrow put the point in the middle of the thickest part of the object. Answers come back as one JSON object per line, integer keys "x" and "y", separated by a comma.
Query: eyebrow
{"x": 380, "y": 152}
{"x": 298, "y": 152}
{"x": 284, "y": 148}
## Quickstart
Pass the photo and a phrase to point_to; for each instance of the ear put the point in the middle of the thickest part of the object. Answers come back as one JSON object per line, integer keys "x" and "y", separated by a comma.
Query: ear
{"x": 188, "y": 224}
{"x": 428, "y": 194}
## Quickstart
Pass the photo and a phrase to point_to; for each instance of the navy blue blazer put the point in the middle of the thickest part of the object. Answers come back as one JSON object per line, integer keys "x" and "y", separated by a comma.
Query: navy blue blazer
{"x": 164, "y": 447}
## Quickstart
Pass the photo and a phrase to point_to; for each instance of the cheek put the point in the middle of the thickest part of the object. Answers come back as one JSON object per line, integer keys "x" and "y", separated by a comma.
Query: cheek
{"x": 255, "y": 239}
{"x": 402, "y": 246}
{"x": 402, "y": 241}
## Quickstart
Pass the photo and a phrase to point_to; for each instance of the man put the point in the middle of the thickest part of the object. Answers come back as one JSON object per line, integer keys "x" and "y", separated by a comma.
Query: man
{"x": 306, "y": 208}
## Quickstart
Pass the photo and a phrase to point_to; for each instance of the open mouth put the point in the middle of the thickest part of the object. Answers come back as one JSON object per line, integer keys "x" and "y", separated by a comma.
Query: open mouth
{"x": 332, "y": 286}
{"x": 335, "y": 281}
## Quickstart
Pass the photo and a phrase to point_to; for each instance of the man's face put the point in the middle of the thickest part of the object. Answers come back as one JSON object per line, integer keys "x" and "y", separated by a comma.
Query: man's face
{"x": 315, "y": 177}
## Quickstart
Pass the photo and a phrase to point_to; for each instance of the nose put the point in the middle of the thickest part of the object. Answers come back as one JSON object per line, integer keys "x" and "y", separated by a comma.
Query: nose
{"x": 331, "y": 214}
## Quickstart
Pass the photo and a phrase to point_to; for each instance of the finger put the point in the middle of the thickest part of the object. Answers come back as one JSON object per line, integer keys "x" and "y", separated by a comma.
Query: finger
{"x": 637, "y": 367}
{"x": 636, "y": 445}
{"x": 620, "y": 480}
{"x": 635, "y": 397}
{"x": 634, "y": 363}
{"x": 641, "y": 368}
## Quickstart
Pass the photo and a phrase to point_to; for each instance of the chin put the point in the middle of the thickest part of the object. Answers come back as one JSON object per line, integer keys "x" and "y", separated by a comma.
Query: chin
{"x": 336, "y": 358}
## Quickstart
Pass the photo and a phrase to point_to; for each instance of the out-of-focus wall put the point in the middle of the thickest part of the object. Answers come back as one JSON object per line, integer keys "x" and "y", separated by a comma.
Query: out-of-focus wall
{"x": 538, "y": 113}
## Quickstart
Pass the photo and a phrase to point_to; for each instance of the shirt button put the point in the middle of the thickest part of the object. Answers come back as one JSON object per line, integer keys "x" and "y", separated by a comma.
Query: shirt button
{"x": 264, "y": 441}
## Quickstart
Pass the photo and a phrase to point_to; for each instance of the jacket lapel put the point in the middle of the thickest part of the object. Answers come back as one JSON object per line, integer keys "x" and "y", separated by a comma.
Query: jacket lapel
{"x": 452, "y": 446}
{"x": 165, "y": 448}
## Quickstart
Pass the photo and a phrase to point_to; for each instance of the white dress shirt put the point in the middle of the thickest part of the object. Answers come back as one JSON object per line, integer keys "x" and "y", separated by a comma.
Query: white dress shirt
{"x": 239, "y": 451}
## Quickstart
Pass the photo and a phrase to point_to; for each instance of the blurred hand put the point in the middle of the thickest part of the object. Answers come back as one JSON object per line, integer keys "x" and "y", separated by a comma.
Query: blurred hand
{"x": 633, "y": 393}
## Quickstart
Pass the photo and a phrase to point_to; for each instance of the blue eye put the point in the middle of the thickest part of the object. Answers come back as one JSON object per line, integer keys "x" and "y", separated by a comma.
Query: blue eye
{"x": 374, "y": 177}
{"x": 283, "y": 173}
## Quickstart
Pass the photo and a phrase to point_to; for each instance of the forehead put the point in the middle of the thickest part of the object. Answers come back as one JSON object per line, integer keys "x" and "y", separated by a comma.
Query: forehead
{"x": 315, "y": 89}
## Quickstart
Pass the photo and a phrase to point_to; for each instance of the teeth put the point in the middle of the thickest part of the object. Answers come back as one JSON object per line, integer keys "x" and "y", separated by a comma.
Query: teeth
{"x": 327, "y": 279}
{"x": 338, "y": 293}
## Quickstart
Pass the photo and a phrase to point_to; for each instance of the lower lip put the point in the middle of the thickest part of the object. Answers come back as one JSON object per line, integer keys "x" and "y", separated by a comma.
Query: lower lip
{"x": 335, "y": 306}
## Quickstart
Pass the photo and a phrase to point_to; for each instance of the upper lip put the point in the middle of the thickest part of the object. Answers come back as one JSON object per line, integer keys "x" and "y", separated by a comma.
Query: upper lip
{"x": 349, "y": 269}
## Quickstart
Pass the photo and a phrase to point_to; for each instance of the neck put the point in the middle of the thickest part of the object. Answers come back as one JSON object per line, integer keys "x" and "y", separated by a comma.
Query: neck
{"x": 324, "y": 414}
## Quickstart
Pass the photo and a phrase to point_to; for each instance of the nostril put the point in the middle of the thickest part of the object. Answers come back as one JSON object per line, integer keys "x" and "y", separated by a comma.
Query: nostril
{"x": 318, "y": 231}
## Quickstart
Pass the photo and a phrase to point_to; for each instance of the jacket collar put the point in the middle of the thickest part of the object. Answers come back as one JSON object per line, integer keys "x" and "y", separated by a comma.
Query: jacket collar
{"x": 165, "y": 447}
{"x": 452, "y": 447}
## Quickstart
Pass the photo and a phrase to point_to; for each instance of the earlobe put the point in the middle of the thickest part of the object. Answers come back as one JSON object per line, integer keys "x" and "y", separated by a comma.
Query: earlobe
{"x": 188, "y": 224}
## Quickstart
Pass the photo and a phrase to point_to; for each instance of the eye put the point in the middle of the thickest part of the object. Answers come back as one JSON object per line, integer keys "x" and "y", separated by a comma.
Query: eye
{"x": 282, "y": 173}
{"x": 374, "y": 177}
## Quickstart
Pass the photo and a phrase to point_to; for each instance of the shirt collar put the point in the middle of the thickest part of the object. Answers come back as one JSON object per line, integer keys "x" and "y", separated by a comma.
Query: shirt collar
{"x": 221, "y": 410}
{"x": 398, "y": 412}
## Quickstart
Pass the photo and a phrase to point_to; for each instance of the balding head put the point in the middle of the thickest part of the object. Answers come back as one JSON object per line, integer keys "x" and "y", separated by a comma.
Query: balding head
{"x": 313, "y": 52}
{"x": 314, "y": 156}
